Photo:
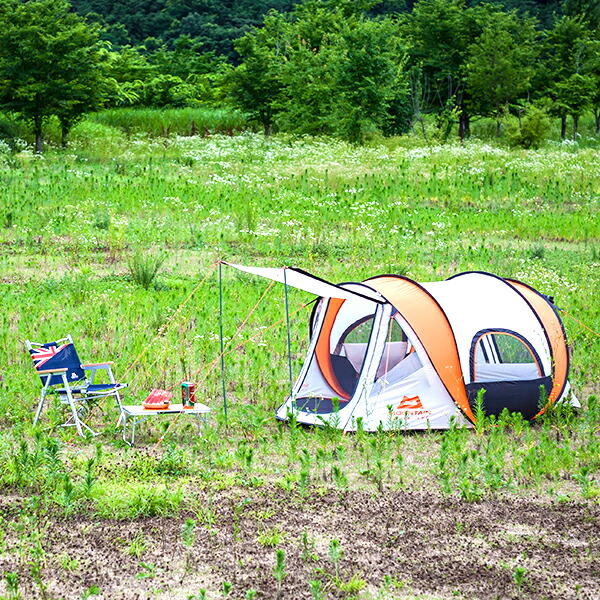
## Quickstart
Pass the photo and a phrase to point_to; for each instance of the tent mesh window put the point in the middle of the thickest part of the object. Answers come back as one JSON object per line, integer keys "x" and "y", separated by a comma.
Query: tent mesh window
{"x": 396, "y": 348}
{"x": 348, "y": 357}
{"x": 505, "y": 365}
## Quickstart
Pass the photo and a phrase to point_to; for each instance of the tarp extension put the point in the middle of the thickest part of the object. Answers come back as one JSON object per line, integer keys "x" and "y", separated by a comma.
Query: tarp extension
{"x": 307, "y": 282}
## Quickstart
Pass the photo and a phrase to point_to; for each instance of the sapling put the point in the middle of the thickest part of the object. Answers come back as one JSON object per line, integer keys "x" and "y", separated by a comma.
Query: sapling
{"x": 279, "y": 570}
{"x": 519, "y": 577}
{"x": 316, "y": 590}
{"x": 188, "y": 536}
{"x": 308, "y": 547}
{"x": 481, "y": 420}
{"x": 336, "y": 554}
{"x": 226, "y": 588}
{"x": 68, "y": 493}
{"x": 339, "y": 477}
{"x": 89, "y": 478}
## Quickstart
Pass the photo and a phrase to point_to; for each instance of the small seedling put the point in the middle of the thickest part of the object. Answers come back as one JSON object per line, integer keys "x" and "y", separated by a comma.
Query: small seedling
{"x": 12, "y": 584}
{"x": 308, "y": 547}
{"x": 137, "y": 546}
{"x": 226, "y": 588}
{"x": 93, "y": 590}
{"x": 519, "y": 577}
{"x": 279, "y": 570}
{"x": 316, "y": 590}
{"x": 188, "y": 536}
{"x": 148, "y": 572}
{"x": 336, "y": 554}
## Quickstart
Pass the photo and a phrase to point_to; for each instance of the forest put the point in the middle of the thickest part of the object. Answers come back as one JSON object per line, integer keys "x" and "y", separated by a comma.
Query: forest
{"x": 347, "y": 69}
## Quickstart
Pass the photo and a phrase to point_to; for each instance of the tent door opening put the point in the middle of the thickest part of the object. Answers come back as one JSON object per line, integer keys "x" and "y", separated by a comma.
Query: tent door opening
{"x": 506, "y": 366}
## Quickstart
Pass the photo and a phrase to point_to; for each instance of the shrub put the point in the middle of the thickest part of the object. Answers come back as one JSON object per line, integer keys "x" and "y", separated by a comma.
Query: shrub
{"x": 530, "y": 130}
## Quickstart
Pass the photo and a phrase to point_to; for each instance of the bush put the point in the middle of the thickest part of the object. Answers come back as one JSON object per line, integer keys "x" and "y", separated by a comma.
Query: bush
{"x": 531, "y": 130}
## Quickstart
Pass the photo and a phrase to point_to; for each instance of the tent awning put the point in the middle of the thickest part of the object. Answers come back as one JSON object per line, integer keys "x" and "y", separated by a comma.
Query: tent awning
{"x": 299, "y": 279}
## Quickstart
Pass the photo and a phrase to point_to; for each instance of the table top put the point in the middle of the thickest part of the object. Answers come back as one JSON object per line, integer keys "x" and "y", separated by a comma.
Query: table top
{"x": 139, "y": 410}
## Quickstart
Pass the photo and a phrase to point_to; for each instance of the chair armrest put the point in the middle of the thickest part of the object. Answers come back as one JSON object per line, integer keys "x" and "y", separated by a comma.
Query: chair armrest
{"x": 102, "y": 365}
{"x": 46, "y": 371}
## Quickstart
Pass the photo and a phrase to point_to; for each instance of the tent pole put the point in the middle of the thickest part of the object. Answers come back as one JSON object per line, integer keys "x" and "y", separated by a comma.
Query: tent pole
{"x": 289, "y": 339}
{"x": 221, "y": 339}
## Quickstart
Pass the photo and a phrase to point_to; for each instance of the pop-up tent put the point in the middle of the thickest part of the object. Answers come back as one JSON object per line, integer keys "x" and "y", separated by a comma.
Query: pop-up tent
{"x": 395, "y": 353}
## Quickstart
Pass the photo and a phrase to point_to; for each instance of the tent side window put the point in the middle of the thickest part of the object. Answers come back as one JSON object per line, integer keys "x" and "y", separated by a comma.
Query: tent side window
{"x": 397, "y": 348}
{"x": 354, "y": 342}
{"x": 503, "y": 356}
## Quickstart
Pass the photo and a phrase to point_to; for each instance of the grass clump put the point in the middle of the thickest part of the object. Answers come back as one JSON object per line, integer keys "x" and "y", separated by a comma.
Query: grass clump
{"x": 145, "y": 266}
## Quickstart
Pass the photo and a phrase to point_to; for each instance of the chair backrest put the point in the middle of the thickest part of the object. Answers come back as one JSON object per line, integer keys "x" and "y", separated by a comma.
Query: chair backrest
{"x": 57, "y": 355}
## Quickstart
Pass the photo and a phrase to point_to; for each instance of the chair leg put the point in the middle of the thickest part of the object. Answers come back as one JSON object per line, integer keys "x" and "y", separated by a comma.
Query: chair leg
{"x": 120, "y": 407}
{"x": 75, "y": 414}
{"x": 38, "y": 412}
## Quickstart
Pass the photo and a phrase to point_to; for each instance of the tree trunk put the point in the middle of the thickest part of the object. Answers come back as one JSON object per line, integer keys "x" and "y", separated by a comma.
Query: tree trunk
{"x": 267, "y": 125}
{"x": 563, "y": 127}
{"x": 37, "y": 126}
{"x": 575, "y": 126}
{"x": 64, "y": 134}
{"x": 597, "y": 119}
{"x": 464, "y": 125}
{"x": 498, "y": 120}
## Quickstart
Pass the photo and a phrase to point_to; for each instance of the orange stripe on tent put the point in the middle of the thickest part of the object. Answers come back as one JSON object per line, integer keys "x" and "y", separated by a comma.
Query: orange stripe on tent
{"x": 322, "y": 349}
{"x": 431, "y": 326}
{"x": 554, "y": 329}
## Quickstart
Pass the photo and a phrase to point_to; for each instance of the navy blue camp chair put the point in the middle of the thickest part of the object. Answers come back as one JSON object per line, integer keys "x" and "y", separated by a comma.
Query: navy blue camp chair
{"x": 61, "y": 372}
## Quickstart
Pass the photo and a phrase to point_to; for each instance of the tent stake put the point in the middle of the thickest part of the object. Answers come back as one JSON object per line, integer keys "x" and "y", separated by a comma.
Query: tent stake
{"x": 221, "y": 339}
{"x": 289, "y": 339}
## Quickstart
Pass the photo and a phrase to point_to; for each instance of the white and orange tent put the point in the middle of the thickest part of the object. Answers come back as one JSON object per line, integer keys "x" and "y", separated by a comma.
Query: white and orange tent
{"x": 390, "y": 352}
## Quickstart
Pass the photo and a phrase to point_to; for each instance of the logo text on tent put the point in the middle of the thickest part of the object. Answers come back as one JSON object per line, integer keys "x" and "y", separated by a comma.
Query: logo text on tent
{"x": 411, "y": 408}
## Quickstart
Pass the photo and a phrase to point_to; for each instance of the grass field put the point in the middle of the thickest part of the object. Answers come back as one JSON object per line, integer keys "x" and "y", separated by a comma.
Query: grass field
{"x": 256, "y": 508}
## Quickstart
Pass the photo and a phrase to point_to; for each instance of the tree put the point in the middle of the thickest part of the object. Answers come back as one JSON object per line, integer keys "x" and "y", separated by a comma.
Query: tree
{"x": 501, "y": 62}
{"x": 571, "y": 59}
{"x": 326, "y": 69}
{"x": 255, "y": 85}
{"x": 588, "y": 10}
{"x": 49, "y": 63}
{"x": 574, "y": 95}
{"x": 344, "y": 84}
{"x": 440, "y": 33}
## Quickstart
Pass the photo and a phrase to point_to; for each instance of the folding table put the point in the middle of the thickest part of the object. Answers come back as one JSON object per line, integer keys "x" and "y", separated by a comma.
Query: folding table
{"x": 138, "y": 414}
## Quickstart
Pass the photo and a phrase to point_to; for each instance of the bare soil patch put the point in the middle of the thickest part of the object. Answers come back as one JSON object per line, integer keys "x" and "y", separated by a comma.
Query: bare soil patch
{"x": 425, "y": 544}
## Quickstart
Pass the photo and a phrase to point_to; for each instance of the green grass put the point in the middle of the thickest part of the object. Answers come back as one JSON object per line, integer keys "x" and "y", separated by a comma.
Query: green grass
{"x": 73, "y": 225}
{"x": 175, "y": 121}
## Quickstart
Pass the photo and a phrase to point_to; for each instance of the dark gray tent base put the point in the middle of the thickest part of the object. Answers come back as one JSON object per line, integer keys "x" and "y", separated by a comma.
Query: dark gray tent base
{"x": 516, "y": 396}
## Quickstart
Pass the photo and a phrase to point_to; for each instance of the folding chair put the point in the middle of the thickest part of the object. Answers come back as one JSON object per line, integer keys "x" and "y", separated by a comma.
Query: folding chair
{"x": 61, "y": 372}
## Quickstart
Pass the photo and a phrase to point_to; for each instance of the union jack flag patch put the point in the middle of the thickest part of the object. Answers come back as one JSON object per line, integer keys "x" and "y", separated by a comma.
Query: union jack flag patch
{"x": 41, "y": 356}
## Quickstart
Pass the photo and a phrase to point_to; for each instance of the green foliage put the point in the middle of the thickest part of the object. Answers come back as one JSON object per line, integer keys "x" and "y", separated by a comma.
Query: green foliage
{"x": 530, "y": 130}
{"x": 145, "y": 265}
{"x": 49, "y": 63}
{"x": 500, "y": 63}
{"x": 440, "y": 33}
{"x": 165, "y": 122}
{"x": 255, "y": 85}
{"x": 321, "y": 72}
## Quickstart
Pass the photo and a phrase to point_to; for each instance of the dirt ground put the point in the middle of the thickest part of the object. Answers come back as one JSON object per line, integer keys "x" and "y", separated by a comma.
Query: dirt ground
{"x": 393, "y": 545}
